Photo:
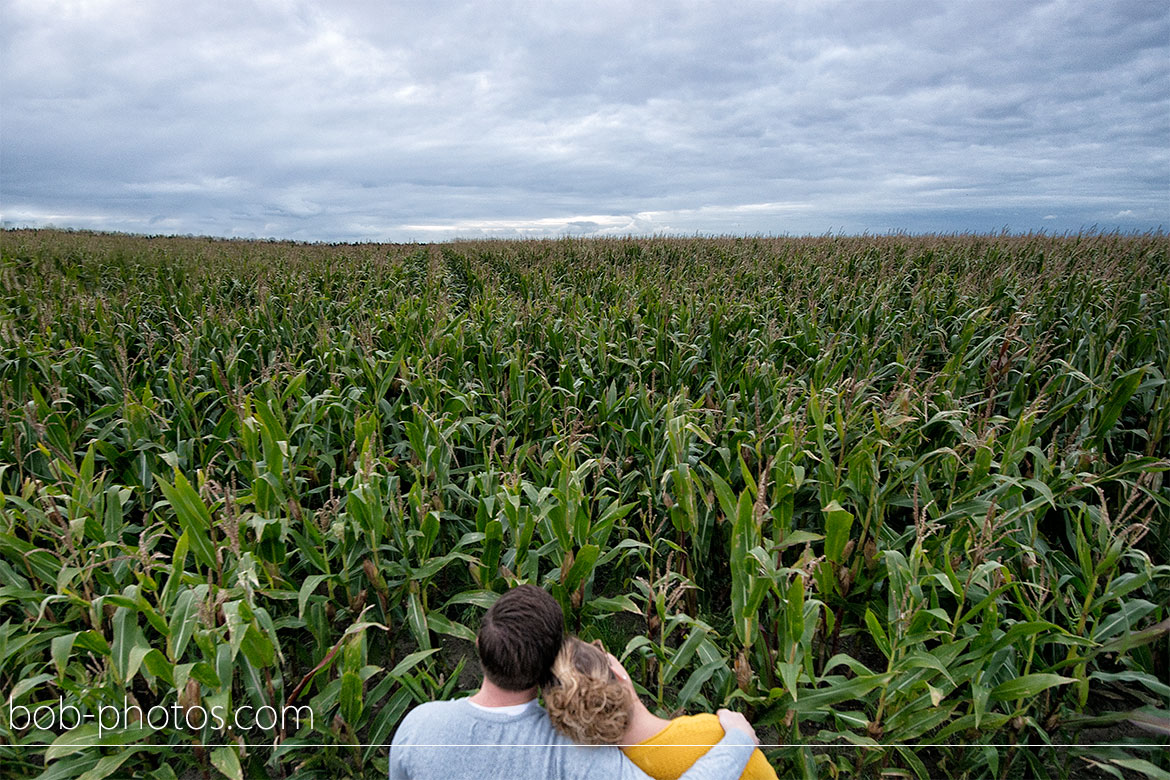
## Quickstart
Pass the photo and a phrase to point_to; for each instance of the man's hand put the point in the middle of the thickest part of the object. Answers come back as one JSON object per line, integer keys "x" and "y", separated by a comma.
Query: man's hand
{"x": 735, "y": 720}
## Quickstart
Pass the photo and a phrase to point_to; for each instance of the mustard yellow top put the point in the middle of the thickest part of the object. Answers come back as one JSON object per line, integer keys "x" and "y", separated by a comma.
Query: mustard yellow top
{"x": 689, "y": 737}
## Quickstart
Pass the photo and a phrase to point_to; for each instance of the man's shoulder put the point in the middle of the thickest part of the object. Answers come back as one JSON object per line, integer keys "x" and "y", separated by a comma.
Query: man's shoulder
{"x": 429, "y": 716}
{"x": 440, "y": 719}
{"x": 439, "y": 709}
{"x": 431, "y": 708}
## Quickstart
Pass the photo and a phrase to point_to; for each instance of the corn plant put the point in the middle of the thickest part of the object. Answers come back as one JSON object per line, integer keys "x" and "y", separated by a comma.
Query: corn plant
{"x": 902, "y": 499}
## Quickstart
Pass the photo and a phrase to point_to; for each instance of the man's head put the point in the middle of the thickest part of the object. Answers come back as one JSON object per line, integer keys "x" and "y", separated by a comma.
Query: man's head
{"x": 520, "y": 637}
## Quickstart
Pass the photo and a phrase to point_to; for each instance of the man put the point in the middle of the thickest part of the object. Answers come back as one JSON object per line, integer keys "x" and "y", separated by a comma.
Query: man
{"x": 502, "y": 732}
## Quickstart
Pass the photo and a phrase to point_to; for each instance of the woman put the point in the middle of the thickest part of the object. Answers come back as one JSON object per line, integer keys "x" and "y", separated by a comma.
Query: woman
{"x": 592, "y": 701}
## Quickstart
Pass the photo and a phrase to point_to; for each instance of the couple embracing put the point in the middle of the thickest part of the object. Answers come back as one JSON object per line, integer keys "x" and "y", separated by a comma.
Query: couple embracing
{"x": 502, "y": 732}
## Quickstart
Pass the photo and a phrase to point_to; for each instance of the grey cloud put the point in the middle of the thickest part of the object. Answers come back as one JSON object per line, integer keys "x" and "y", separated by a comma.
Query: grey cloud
{"x": 367, "y": 121}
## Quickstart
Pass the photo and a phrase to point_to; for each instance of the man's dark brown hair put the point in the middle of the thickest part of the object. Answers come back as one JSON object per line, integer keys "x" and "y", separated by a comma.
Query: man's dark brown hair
{"x": 520, "y": 637}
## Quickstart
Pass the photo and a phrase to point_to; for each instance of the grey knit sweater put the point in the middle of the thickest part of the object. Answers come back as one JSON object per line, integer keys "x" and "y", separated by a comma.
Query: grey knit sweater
{"x": 453, "y": 740}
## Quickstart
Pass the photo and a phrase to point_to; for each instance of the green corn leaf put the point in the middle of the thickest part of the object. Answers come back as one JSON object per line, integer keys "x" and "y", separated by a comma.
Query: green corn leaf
{"x": 307, "y": 587}
{"x": 727, "y": 499}
{"x": 799, "y": 538}
{"x": 790, "y": 674}
{"x": 480, "y": 598}
{"x": 1128, "y": 641}
{"x": 386, "y": 719}
{"x": 492, "y": 545}
{"x": 178, "y": 561}
{"x": 236, "y": 623}
{"x": 88, "y": 736}
{"x": 877, "y": 633}
{"x": 919, "y": 659}
{"x": 129, "y": 646}
{"x": 1121, "y": 620}
{"x": 582, "y": 567}
{"x": 182, "y": 623}
{"x": 682, "y": 657}
{"x": 442, "y": 625}
{"x": 227, "y": 761}
{"x": 1120, "y": 392}
{"x": 60, "y": 648}
{"x": 838, "y": 521}
{"x": 107, "y": 766}
{"x": 697, "y": 679}
{"x": 819, "y": 701}
{"x": 351, "y": 698}
{"x": 794, "y": 608}
{"x": 1151, "y": 719}
{"x": 157, "y": 664}
{"x": 416, "y": 619}
{"x": 1150, "y": 682}
{"x": 257, "y": 647}
{"x": 617, "y": 604}
{"x": 194, "y": 517}
{"x": 411, "y": 661}
{"x": 980, "y": 695}
{"x": 27, "y": 685}
{"x": 1027, "y": 686}
{"x": 1150, "y": 770}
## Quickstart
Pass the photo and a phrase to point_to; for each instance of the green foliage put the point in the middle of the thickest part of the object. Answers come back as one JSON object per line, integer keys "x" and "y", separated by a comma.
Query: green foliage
{"x": 879, "y": 492}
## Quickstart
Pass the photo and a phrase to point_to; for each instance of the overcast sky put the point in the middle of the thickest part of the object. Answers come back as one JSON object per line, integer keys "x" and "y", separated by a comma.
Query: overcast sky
{"x": 371, "y": 120}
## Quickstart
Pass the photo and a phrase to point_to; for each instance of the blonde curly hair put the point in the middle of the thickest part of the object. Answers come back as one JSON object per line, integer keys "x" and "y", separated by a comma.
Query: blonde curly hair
{"x": 585, "y": 700}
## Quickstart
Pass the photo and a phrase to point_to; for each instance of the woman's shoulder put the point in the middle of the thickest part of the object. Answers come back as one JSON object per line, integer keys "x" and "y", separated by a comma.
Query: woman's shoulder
{"x": 705, "y": 728}
{"x": 702, "y": 720}
{"x": 700, "y": 729}
{"x": 693, "y": 735}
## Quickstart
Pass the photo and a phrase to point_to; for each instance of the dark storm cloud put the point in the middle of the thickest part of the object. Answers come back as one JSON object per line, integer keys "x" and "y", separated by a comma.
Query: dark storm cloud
{"x": 354, "y": 122}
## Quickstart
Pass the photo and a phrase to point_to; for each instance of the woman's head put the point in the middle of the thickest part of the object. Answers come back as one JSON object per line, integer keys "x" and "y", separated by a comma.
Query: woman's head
{"x": 586, "y": 700}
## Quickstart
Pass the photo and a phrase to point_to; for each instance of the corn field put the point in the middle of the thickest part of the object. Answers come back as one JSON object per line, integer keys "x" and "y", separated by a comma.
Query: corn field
{"x": 901, "y": 500}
